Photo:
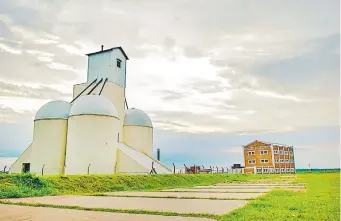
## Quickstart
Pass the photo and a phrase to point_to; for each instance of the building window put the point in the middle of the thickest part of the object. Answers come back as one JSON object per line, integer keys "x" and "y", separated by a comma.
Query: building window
{"x": 262, "y": 152}
{"x": 276, "y": 160}
{"x": 251, "y": 153}
{"x": 275, "y": 151}
{"x": 277, "y": 170}
{"x": 282, "y": 169}
{"x": 252, "y": 161}
{"x": 282, "y": 160}
{"x": 26, "y": 167}
{"x": 292, "y": 170}
{"x": 288, "y": 170}
{"x": 281, "y": 152}
{"x": 118, "y": 63}
{"x": 286, "y": 152}
{"x": 265, "y": 170}
{"x": 259, "y": 170}
{"x": 264, "y": 161}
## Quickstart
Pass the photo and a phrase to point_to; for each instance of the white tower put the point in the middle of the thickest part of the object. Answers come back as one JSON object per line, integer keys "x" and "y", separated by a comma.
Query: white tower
{"x": 49, "y": 138}
{"x": 92, "y": 136}
{"x": 138, "y": 131}
{"x": 106, "y": 76}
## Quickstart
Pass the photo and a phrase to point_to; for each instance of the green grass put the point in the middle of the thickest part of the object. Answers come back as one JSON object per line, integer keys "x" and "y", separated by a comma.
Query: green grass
{"x": 321, "y": 201}
{"x": 28, "y": 185}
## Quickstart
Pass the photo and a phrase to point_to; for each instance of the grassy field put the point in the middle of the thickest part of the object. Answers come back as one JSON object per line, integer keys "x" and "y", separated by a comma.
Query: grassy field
{"x": 27, "y": 185}
{"x": 321, "y": 201}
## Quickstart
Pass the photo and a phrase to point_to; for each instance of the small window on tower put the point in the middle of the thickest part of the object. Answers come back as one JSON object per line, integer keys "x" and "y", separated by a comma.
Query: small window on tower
{"x": 118, "y": 63}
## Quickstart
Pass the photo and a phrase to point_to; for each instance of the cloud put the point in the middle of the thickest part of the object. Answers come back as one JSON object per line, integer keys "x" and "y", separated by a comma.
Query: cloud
{"x": 278, "y": 96}
{"x": 9, "y": 49}
{"x": 6, "y": 162}
{"x": 39, "y": 92}
{"x": 230, "y": 67}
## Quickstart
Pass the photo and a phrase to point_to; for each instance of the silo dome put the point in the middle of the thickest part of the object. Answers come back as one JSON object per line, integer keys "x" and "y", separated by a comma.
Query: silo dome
{"x": 137, "y": 117}
{"x": 54, "y": 110}
{"x": 93, "y": 105}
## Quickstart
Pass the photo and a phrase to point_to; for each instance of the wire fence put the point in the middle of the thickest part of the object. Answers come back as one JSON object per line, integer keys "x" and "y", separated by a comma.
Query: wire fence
{"x": 209, "y": 170}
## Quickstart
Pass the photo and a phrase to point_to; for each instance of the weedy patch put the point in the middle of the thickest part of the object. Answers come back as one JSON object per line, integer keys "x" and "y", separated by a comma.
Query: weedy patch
{"x": 321, "y": 201}
{"x": 29, "y": 185}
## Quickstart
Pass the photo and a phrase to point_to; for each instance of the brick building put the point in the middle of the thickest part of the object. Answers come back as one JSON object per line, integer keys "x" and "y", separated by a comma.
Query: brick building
{"x": 265, "y": 157}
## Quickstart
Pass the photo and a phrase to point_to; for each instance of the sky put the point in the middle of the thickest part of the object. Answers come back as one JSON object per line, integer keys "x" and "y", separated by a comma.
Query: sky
{"x": 212, "y": 75}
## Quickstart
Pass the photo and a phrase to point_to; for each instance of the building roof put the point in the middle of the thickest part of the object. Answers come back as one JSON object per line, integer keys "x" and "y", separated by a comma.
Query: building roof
{"x": 277, "y": 144}
{"x": 110, "y": 49}
{"x": 54, "y": 110}
{"x": 137, "y": 117}
{"x": 93, "y": 105}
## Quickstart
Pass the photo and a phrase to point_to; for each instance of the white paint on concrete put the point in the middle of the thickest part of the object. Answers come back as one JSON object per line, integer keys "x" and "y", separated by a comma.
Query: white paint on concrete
{"x": 126, "y": 164}
{"x": 139, "y": 137}
{"x": 24, "y": 158}
{"x": 48, "y": 146}
{"x": 143, "y": 159}
{"x": 90, "y": 149}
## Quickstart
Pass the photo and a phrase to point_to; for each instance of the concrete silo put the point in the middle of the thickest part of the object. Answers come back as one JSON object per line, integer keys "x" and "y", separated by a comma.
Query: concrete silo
{"x": 138, "y": 131}
{"x": 49, "y": 138}
{"x": 93, "y": 131}
{"x": 106, "y": 76}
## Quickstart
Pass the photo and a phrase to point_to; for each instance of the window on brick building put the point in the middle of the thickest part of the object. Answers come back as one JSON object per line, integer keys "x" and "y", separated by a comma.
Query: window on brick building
{"x": 252, "y": 161}
{"x": 251, "y": 153}
{"x": 262, "y": 152}
{"x": 264, "y": 161}
{"x": 275, "y": 151}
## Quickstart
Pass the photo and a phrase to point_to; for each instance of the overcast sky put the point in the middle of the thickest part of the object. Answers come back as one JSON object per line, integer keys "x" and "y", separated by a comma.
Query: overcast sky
{"x": 212, "y": 75}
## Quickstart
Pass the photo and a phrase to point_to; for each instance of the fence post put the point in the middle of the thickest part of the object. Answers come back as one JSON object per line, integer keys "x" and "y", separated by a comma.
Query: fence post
{"x": 173, "y": 168}
{"x": 185, "y": 168}
{"x": 89, "y": 169}
{"x": 42, "y": 170}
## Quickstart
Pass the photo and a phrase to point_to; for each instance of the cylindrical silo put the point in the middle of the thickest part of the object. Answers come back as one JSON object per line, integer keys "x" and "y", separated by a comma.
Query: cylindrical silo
{"x": 93, "y": 130}
{"x": 49, "y": 138}
{"x": 138, "y": 131}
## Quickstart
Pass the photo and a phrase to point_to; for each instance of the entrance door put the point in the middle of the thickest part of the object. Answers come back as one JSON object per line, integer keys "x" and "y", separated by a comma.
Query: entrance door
{"x": 26, "y": 167}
